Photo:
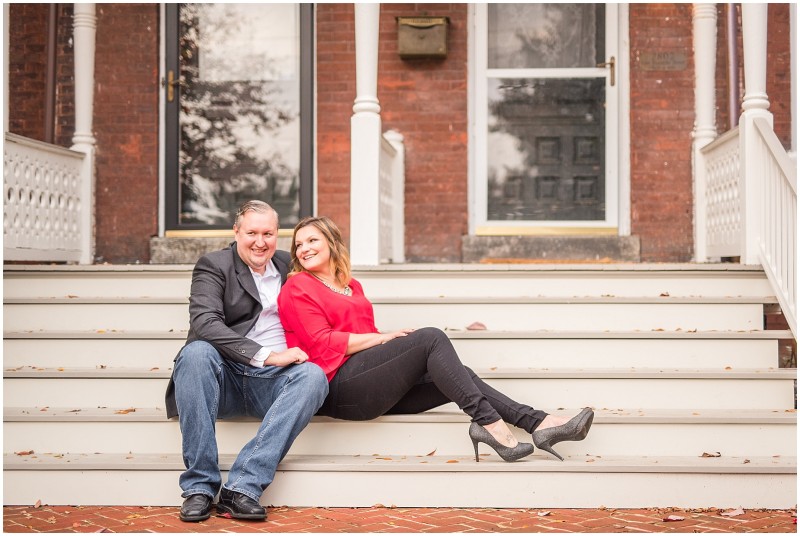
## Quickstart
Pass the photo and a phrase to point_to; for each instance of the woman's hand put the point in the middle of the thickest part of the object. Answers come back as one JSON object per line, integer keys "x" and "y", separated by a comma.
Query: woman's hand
{"x": 361, "y": 341}
{"x": 386, "y": 337}
{"x": 290, "y": 356}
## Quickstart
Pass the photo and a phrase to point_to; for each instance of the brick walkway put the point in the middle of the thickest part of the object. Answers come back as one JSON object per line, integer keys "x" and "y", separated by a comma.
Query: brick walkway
{"x": 159, "y": 519}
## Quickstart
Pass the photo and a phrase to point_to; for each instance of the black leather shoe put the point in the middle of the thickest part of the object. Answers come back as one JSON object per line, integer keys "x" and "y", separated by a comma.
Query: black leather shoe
{"x": 239, "y": 506}
{"x": 196, "y": 508}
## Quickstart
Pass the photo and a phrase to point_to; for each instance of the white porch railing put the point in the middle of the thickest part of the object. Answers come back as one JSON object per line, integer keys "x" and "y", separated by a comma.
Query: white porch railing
{"x": 777, "y": 230}
{"x": 391, "y": 235}
{"x": 770, "y": 195}
{"x": 43, "y": 201}
{"x": 723, "y": 212}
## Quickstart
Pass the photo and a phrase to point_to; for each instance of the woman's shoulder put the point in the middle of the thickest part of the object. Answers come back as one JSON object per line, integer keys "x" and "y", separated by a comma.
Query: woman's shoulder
{"x": 298, "y": 280}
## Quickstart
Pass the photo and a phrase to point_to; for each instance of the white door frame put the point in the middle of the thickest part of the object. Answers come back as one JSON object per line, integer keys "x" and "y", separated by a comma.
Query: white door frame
{"x": 617, "y": 220}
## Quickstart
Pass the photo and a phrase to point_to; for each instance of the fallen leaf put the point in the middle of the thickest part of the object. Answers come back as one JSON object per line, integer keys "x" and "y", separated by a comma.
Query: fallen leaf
{"x": 476, "y": 326}
{"x": 154, "y": 368}
{"x": 733, "y": 513}
{"x": 746, "y": 461}
{"x": 45, "y": 408}
{"x": 543, "y": 514}
{"x": 101, "y": 366}
{"x": 71, "y": 296}
{"x": 711, "y": 455}
{"x": 101, "y": 331}
{"x": 60, "y": 369}
{"x": 125, "y": 411}
{"x": 673, "y": 518}
{"x": 431, "y": 453}
{"x": 24, "y": 453}
{"x": 73, "y": 411}
{"x": 38, "y": 504}
{"x": 452, "y": 461}
{"x": 664, "y": 294}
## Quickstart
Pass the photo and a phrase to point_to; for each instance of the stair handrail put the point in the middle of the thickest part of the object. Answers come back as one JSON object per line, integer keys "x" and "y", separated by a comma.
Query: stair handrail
{"x": 777, "y": 228}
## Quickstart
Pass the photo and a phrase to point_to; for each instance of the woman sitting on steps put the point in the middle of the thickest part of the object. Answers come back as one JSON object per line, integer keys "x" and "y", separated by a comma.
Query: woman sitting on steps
{"x": 325, "y": 313}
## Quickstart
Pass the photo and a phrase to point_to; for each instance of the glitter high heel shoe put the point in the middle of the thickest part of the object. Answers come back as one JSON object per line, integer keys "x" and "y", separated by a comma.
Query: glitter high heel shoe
{"x": 573, "y": 430}
{"x": 479, "y": 434}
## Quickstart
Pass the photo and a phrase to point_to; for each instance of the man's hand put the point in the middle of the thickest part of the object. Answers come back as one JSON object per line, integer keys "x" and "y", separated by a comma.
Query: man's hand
{"x": 290, "y": 356}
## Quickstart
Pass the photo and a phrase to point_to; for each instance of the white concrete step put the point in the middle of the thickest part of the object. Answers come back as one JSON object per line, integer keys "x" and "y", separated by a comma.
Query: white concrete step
{"x": 604, "y": 388}
{"x": 420, "y": 481}
{"x": 481, "y": 349}
{"x": 431, "y": 280}
{"x": 633, "y": 432}
{"x": 599, "y": 314}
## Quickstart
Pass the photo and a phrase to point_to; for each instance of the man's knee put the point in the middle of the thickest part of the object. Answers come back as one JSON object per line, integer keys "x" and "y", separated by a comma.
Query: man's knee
{"x": 312, "y": 380}
{"x": 195, "y": 359}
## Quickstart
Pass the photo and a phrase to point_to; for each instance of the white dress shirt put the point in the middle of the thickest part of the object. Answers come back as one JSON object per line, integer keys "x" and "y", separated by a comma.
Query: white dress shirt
{"x": 268, "y": 330}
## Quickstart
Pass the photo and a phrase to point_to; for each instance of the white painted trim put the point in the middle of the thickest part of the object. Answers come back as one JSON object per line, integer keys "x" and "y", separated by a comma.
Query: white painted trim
{"x": 617, "y": 125}
{"x": 624, "y": 127}
{"x": 162, "y": 118}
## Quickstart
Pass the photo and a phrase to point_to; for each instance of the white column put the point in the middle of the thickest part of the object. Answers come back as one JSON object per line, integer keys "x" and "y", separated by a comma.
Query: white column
{"x": 704, "y": 34}
{"x": 85, "y": 28}
{"x": 365, "y": 141}
{"x": 755, "y": 104}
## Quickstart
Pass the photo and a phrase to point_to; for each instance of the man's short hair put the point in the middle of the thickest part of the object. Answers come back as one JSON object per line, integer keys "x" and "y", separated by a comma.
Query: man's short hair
{"x": 254, "y": 206}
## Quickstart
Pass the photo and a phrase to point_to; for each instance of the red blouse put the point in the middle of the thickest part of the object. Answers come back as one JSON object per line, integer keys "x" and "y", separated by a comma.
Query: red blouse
{"x": 319, "y": 321}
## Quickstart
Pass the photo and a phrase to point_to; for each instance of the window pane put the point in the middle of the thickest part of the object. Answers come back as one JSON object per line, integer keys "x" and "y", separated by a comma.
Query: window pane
{"x": 239, "y": 117}
{"x": 546, "y": 149}
{"x": 545, "y": 36}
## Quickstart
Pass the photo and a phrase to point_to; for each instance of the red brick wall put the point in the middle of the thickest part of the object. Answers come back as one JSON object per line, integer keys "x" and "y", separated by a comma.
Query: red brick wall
{"x": 424, "y": 100}
{"x": 662, "y": 119}
{"x": 65, "y": 78}
{"x": 126, "y": 119}
{"x": 779, "y": 74}
{"x": 27, "y": 69}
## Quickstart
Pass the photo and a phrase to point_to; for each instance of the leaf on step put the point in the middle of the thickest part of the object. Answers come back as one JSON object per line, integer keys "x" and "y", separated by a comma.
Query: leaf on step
{"x": 673, "y": 518}
{"x": 102, "y": 366}
{"x": 543, "y": 514}
{"x": 24, "y": 453}
{"x": 728, "y": 368}
{"x": 45, "y": 408}
{"x": 658, "y": 329}
{"x": 38, "y": 504}
{"x": 711, "y": 455}
{"x": 71, "y": 296}
{"x": 125, "y": 411}
{"x": 733, "y": 513}
{"x": 431, "y": 453}
{"x": 154, "y": 368}
{"x": 476, "y": 326}
{"x": 452, "y": 461}
{"x": 60, "y": 369}
{"x": 73, "y": 411}
{"x": 101, "y": 331}
{"x": 590, "y": 460}
{"x": 384, "y": 459}
{"x": 746, "y": 461}
{"x": 664, "y": 294}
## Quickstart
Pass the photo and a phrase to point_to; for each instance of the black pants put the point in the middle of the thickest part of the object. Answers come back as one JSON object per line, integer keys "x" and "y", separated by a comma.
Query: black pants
{"x": 416, "y": 373}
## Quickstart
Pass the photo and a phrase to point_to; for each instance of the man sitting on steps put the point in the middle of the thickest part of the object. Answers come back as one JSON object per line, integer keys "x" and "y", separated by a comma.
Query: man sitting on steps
{"x": 235, "y": 363}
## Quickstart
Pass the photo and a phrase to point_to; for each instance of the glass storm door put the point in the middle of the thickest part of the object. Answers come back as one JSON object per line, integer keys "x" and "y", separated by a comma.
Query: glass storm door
{"x": 545, "y": 107}
{"x": 238, "y": 102}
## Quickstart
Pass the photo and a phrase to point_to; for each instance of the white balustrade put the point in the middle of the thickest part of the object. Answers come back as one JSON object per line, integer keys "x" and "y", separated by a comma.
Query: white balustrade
{"x": 42, "y": 204}
{"x": 777, "y": 232}
{"x": 723, "y": 224}
{"x": 392, "y": 206}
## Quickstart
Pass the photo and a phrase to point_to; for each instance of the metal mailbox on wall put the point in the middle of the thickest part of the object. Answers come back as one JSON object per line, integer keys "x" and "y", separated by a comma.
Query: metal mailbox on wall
{"x": 422, "y": 37}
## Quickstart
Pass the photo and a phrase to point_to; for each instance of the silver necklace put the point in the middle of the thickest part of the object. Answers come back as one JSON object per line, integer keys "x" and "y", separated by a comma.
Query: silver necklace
{"x": 346, "y": 291}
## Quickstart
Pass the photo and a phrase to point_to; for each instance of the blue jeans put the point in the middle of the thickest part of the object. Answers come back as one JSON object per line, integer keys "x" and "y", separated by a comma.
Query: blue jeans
{"x": 208, "y": 387}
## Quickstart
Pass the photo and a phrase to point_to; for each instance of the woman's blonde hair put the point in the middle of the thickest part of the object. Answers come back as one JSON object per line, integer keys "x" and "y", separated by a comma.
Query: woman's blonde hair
{"x": 340, "y": 257}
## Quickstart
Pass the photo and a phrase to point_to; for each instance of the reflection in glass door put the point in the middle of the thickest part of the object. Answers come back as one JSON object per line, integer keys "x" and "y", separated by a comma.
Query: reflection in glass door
{"x": 235, "y": 113}
{"x": 543, "y": 117}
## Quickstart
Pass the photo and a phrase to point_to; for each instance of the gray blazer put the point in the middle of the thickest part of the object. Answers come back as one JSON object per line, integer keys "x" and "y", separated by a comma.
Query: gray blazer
{"x": 223, "y": 306}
